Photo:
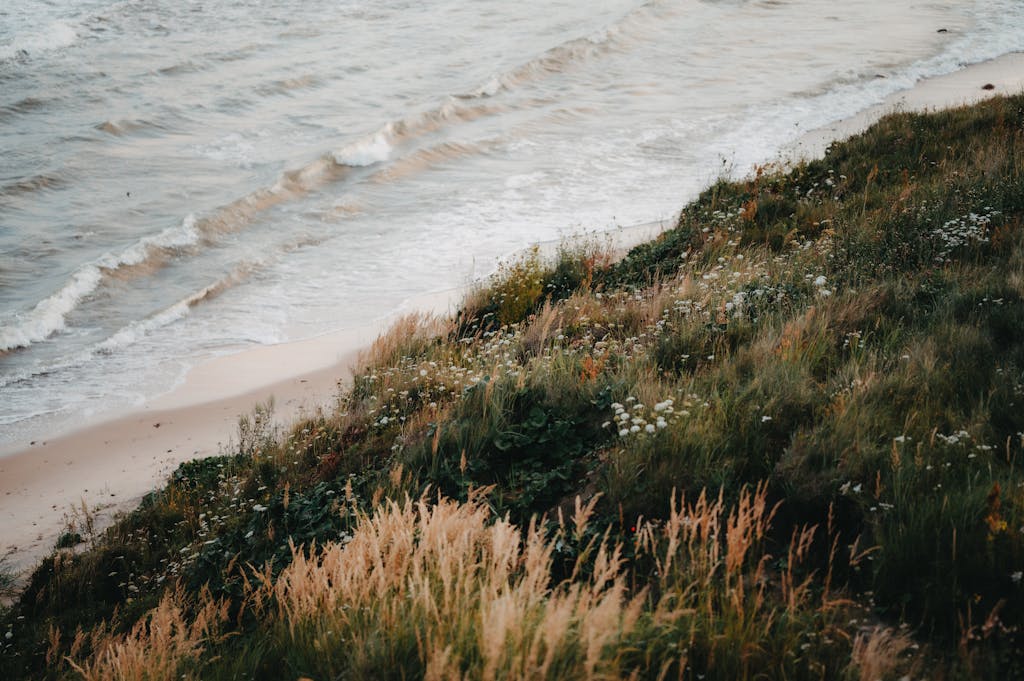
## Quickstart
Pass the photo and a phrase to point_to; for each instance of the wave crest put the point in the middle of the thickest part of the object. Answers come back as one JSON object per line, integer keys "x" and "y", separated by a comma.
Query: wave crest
{"x": 49, "y": 315}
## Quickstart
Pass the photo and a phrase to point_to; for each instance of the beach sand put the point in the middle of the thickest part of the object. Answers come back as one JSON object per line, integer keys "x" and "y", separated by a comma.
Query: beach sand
{"x": 106, "y": 467}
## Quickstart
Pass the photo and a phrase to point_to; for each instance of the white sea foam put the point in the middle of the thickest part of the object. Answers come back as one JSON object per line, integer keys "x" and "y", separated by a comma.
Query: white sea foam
{"x": 55, "y": 36}
{"x": 138, "y": 330}
{"x": 133, "y": 333}
{"x": 367, "y": 151}
{"x": 180, "y": 236}
{"x": 491, "y": 87}
{"x": 48, "y": 316}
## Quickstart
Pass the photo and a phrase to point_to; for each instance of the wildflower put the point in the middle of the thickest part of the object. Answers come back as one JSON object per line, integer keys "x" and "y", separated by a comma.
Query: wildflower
{"x": 649, "y": 428}
{"x": 259, "y": 508}
{"x": 820, "y": 281}
{"x": 624, "y": 432}
{"x": 765, "y": 419}
{"x": 1016, "y": 576}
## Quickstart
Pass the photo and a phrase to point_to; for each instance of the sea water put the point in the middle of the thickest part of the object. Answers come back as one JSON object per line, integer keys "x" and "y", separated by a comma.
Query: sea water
{"x": 186, "y": 178}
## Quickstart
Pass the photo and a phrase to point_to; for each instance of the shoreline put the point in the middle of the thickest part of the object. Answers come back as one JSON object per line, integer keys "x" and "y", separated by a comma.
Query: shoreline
{"x": 110, "y": 464}
{"x": 966, "y": 86}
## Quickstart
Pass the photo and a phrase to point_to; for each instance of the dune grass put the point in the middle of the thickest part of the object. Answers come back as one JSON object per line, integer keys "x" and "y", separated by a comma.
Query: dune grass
{"x": 780, "y": 441}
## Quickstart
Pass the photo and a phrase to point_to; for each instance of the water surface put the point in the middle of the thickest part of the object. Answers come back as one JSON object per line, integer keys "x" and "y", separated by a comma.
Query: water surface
{"x": 180, "y": 179}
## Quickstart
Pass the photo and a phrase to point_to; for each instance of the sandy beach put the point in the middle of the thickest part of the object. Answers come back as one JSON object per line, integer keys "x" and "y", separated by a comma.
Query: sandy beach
{"x": 107, "y": 466}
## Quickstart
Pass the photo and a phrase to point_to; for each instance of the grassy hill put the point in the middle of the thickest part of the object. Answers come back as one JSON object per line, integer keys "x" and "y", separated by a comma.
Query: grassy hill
{"x": 778, "y": 442}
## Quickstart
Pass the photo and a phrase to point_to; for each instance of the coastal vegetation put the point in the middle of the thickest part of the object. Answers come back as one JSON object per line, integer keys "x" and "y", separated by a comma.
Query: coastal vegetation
{"x": 780, "y": 441}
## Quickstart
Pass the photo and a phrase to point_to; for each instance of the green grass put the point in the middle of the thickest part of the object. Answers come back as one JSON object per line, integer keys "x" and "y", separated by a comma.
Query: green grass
{"x": 844, "y": 337}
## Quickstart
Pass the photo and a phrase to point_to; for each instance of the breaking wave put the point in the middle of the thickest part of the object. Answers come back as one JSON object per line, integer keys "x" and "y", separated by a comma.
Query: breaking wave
{"x": 48, "y": 316}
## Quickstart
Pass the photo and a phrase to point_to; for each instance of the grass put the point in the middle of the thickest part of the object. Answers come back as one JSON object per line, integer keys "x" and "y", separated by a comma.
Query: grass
{"x": 780, "y": 441}
{"x": 445, "y": 590}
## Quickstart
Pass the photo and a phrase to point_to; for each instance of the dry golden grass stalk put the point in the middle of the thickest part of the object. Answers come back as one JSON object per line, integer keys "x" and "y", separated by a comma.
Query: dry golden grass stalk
{"x": 877, "y": 653}
{"x": 157, "y": 646}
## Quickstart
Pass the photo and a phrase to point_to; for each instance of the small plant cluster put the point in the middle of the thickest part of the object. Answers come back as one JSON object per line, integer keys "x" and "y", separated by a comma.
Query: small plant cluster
{"x": 779, "y": 441}
{"x": 966, "y": 230}
{"x": 632, "y": 421}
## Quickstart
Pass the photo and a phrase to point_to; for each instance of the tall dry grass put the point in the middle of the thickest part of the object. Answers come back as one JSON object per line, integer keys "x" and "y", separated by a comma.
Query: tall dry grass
{"x": 160, "y": 647}
{"x": 459, "y": 593}
{"x": 445, "y": 591}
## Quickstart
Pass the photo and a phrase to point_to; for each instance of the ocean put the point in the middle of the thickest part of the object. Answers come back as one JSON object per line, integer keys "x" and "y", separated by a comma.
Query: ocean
{"x": 181, "y": 179}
